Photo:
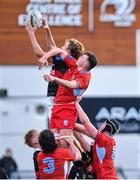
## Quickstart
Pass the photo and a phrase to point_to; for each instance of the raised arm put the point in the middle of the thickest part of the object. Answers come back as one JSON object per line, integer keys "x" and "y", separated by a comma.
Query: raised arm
{"x": 75, "y": 150}
{"x": 77, "y": 144}
{"x": 36, "y": 47}
{"x": 86, "y": 146}
{"x": 92, "y": 131}
{"x": 81, "y": 128}
{"x": 49, "y": 37}
{"x": 53, "y": 52}
{"x": 71, "y": 141}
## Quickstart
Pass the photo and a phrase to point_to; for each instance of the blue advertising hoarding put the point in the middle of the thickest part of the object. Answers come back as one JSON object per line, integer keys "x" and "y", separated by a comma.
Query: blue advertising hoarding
{"x": 125, "y": 110}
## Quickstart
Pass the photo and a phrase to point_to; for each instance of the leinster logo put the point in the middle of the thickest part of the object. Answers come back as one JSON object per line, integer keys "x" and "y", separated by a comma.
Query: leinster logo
{"x": 122, "y": 17}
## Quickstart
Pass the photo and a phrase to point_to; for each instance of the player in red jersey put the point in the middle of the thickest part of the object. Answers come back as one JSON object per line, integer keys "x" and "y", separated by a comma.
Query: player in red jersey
{"x": 52, "y": 160}
{"x": 75, "y": 81}
{"x": 104, "y": 144}
{"x": 31, "y": 139}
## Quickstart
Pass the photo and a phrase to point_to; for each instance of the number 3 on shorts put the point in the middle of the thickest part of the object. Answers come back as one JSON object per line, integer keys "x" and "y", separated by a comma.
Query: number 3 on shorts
{"x": 50, "y": 163}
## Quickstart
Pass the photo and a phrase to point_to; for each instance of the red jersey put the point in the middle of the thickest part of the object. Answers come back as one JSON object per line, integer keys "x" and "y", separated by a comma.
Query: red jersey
{"x": 103, "y": 157}
{"x": 51, "y": 165}
{"x": 67, "y": 95}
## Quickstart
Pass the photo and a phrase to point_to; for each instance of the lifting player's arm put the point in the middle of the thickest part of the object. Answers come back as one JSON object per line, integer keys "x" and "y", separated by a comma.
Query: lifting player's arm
{"x": 85, "y": 146}
{"x": 92, "y": 131}
{"x": 77, "y": 144}
{"x": 81, "y": 128}
{"x": 73, "y": 146}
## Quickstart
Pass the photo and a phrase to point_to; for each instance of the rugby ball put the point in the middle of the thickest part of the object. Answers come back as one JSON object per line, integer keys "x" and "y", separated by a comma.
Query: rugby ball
{"x": 35, "y": 18}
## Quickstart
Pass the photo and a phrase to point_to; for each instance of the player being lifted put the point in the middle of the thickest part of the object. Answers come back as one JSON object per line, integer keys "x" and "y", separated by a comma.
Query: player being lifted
{"x": 74, "y": 82}
{"x": 72, "y": 46}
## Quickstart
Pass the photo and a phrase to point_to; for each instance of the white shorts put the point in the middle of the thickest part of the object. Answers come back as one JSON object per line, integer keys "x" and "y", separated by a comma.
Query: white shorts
{"x": 50, "y": 105}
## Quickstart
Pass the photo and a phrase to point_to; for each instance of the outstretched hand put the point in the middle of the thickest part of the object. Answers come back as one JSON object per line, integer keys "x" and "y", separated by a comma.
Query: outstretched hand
{"x": 42, "y": 62}
{"x": 68, "y": 139}
{"x": 29, "y": 28}
{"x": 48, "y": 78}
{"x": 44, "y": 23}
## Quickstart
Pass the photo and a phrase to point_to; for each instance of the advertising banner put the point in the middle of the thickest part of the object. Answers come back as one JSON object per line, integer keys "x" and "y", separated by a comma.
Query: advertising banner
{"x": 125, "y": 110}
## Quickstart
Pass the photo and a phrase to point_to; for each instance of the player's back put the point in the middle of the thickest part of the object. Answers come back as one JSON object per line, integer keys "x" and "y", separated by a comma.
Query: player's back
{"x": 103, "y": 157}
{"x": 52, "y": 165}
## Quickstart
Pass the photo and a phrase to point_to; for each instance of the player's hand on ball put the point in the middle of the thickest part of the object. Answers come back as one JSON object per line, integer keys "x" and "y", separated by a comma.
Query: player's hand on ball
{"x": 45, "y": 24}
{"x": 34, "y": 17}
{"x": 29, "y": 28}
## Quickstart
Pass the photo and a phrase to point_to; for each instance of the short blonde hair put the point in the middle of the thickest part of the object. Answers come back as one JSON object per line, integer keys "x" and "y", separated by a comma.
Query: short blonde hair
{"x": 28, "y": 137}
